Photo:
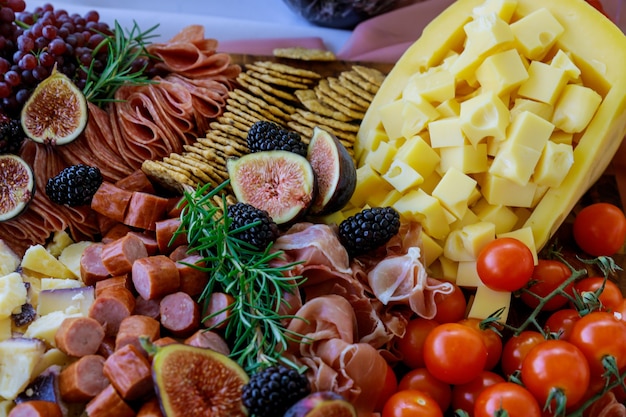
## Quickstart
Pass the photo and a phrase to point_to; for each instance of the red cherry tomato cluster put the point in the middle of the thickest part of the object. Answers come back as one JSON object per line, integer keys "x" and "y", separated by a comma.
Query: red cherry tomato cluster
{"x": 575, "y": 353}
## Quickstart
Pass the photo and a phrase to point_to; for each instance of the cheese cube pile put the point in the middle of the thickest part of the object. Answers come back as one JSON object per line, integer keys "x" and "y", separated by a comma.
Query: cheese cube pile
{"x": 470, "y": 144}
{"x": 50, "y": 271}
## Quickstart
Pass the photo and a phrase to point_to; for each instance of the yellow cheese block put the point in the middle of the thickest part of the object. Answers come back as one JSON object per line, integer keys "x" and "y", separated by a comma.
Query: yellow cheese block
{"x": 578, "y": 53}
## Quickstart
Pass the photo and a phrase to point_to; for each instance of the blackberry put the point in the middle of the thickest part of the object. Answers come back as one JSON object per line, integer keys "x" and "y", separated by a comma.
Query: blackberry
{"x": 11, "y": 135}
{"x": 75, "y": 185}
{"x": 259, "y": 236}
{"x": 273, "y": 390}
{"x": 369, "y": 229}
{"x": 267, "y": 136}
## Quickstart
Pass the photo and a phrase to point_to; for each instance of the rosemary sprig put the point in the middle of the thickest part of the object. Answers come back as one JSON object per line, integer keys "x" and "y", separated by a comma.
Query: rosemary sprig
{"x": 123, "y": 49}
{"x": 255, "y": 325}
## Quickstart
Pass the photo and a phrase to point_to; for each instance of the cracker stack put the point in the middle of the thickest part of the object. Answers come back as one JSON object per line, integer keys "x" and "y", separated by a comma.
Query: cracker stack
{"x": 297, "y": 99}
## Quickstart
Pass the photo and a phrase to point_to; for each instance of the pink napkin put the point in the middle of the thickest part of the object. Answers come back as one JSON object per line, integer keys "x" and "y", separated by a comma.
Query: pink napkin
{"x": 383, "y": 38}
{"x": 386, "y": 37}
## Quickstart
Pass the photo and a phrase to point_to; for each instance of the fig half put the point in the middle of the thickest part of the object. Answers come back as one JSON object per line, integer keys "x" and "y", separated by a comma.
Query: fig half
{"x": 280, "y": 182}
{"x": 322, "y": 404}
{"x": 335, "y": 172}
{"x": 56, "y": 112}
{"x": 194, "y": 381}
{"x": 17, "y": 186}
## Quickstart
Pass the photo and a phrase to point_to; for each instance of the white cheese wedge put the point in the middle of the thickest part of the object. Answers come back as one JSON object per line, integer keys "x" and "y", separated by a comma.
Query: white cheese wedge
{"x": 12, "y": 294}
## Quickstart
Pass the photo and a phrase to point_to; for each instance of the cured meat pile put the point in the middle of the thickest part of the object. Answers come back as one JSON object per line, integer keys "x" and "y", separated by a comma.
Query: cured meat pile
{"x": 350, "y": 328}
{"x": 147, "y": 121}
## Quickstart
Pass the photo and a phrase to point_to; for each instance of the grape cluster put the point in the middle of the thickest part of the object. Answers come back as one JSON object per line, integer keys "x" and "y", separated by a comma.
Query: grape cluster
{"x": 33, "y": 43}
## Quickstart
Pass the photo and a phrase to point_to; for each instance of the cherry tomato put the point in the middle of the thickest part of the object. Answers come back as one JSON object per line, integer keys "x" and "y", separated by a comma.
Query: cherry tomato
{"x": 450, "y": 307}
{"x": 515, "y": 399}
{"x": 505, "y": 264}
{"x": 411, "y": 345}
{"x": 464, "y": 395}
{"x": 411, "y": 403}
{"x": 610, "y": 297}
{"x": 547, "y": 275}
{"x": 454, "y": 353}
{"x": 422, "y": 380}
{"x": 562, "y": 322}
{"x": 491, "y": 339}
{"x": 390, "y": 386}
{"x": 599, "y": 334}
{"x": 515, "y": 349}
{"x": 556, "y": 365}
{"x": 600, "y": 229}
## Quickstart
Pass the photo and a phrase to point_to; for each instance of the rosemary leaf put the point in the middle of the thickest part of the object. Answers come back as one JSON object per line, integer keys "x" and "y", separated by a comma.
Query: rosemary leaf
{"x": 123, "y": 49}
{"x": 255, "y": 325}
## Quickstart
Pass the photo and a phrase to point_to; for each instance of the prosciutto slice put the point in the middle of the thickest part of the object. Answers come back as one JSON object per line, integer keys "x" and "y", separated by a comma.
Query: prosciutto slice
{"x": 318, "y": 244}
{"x": 403, "y": 279}
{"x": 335, "y": 361}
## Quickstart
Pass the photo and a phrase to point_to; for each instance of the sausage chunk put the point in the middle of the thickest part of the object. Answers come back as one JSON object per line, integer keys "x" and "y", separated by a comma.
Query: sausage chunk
{"x": 180, "y": 314}
{"x": 83, "y": 379}
{"x": 79, "y": 336}
{"x": 155, "y": 276}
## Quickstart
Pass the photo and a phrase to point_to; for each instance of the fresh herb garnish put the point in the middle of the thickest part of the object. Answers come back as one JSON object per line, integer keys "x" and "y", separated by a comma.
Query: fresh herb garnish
{"x": 255, "y": 325}
{"x": 124, "y": 50}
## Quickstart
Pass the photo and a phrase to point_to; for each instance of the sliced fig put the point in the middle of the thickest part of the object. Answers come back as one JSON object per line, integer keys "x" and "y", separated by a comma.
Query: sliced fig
{"x": 56, "y": 112}
{"x": 194, "y": 381}
{"x": 17, "y": 186}
{"x": 280, "y": 182}
{"x": 322, "y": 404}
{"x": 335, "y": 172}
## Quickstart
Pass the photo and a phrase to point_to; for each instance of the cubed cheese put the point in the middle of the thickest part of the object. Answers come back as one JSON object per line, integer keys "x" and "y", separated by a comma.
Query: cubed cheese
{"x": 555, "y": 162}
{"x": 485, "y": 34}
{"x": 503, "y": 218}
{"x": 515, "y": 163}
{"x": 402, "y": 176}
{"x": 575, "y": 108}
{"x": 446, "y": 132}
{"x": 536, "y": 33}
{"x": 449, "y": 108}
{"x": 498, "y": 190}
{"x": 466, "y": 243}
{"x": 502, "y": 72}
{"x": 434, "y": 86}
{"x": 418, "y": 206}
{"x": 418, "y": 154}
{"x": 416, "y": 114}
{"x": 392, "y": 119}
{"x": 380, "y": 157}
{"x": 544, "y": 83}
{"x": 432, "y": 249}
{"x": 483, "y": 116}
{"x": 367, "y": 180}
{"x": 562, "y": 60}
{"x": 454, "y": 191}
{"x": 468, "y": 159}
{"x": 543, "y": 110}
